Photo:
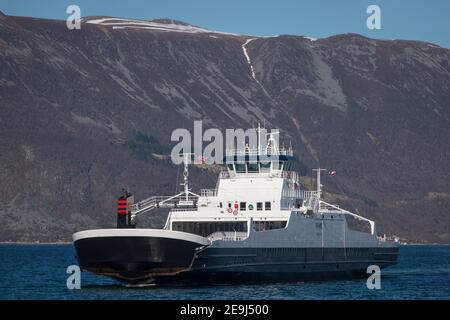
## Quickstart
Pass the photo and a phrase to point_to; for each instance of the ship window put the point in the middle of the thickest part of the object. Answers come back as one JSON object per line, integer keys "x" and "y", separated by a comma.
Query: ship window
{"x": 230, "y": 167}
{"x": 259, "y": 206}
{"x": 252, "y": 167}
{"x": 240, "y": 167}
{"x": 206, "y": 228}
{"x": 229, "y": 204}
{"x": 267, "y": 205}
{"x": 220, "y": 204}
{"x": 265, "y": 166}
{"x": 242, "y": 206}
{"x": 268, "y": 225}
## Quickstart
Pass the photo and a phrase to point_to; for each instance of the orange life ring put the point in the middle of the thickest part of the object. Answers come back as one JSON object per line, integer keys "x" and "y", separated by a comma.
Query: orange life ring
{"x": 235, "y": 212}
{"x": 230, "y": 210}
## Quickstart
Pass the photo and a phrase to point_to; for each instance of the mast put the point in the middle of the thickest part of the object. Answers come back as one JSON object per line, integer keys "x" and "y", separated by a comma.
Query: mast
{"x": 185, "y": 175}
{"x": 319, "y": 185}
{"x": 259, "y": 138}
{"x": 272, "y": 146}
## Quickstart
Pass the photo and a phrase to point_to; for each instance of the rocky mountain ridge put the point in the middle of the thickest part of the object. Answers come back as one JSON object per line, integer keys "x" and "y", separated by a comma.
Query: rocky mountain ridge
{"x": 85, "y": 112}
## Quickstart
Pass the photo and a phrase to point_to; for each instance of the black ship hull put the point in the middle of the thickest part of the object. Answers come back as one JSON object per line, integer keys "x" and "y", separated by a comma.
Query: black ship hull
{"x": 226, "y": 265}
{"x": 136, "y": 255}
{"x": 163, "y": 256}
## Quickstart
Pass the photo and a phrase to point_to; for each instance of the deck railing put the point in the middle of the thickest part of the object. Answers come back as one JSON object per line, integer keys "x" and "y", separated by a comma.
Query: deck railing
{"x": 263, "y": 151}
{"x": 228, "y": 236}
{"x": 208, "y": 192}
{"x": 292, "y": 175}
{"x": 298, "y": 194}
{"x": 162, "y": 201}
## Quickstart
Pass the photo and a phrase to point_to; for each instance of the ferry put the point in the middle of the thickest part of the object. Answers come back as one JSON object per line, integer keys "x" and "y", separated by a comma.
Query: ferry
{"x": 257, "y": 224}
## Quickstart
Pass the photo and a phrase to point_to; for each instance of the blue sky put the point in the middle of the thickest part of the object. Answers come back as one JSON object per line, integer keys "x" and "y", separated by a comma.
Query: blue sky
{"x": 400, "y": 19}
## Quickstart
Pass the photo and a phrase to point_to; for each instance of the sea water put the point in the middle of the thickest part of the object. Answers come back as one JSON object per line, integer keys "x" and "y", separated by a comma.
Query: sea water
{"x": 39, "y": 272}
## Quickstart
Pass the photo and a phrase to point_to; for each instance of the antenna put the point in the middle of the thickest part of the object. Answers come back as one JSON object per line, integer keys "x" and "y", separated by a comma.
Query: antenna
{"x": 176, "y": 181}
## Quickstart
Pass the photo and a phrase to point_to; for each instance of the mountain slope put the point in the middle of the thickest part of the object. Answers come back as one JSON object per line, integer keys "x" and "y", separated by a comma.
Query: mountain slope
{"x": 85, "y": 111}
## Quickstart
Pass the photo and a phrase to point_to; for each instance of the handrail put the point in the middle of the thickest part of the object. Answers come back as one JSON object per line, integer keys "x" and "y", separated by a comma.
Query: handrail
{"x": 228, "y": 236}
{"x": 298, "y": 194}
{"x": 183, "y": 209}
{"x": 340, "y": 210}
{"x": 255, "y": 152}
{"x": 309, "y": 194}
{"x": 143, "y": 203}
{"x": 292, "y": 175}
{"x": 208, "y": 192}
{"x": 161, "y": 201}
{"x": 326, "y": 206}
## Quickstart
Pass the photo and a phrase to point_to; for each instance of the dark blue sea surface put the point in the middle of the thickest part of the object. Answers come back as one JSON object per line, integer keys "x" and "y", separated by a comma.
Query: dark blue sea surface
{"x": 39, "y": 272}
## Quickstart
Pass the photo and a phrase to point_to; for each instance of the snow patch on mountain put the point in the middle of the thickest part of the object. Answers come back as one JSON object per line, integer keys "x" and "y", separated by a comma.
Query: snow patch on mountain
{"x": 119, "y": 23}
{"x": 249, "y": 61}
{"x": 310, "y": 38}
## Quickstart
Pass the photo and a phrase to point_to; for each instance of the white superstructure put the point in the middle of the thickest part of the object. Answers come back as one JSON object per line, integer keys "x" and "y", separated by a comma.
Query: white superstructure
{"x": 259, "y": 192}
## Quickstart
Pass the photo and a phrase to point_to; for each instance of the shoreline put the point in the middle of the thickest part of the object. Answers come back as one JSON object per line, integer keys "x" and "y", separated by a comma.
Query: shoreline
{"x": 33, "y": 243}
{"x": 69, "y": 242}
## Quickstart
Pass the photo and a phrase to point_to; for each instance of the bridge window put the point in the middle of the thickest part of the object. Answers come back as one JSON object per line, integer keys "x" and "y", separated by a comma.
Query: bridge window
{"x": 267, "y": 205}
{"x": 230, "y": 167}
{"x": 242, "y": 206}
{"x": 240, "y": 167}
{"x": 252, "y": 167}
{"x": 265, "y": 166}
